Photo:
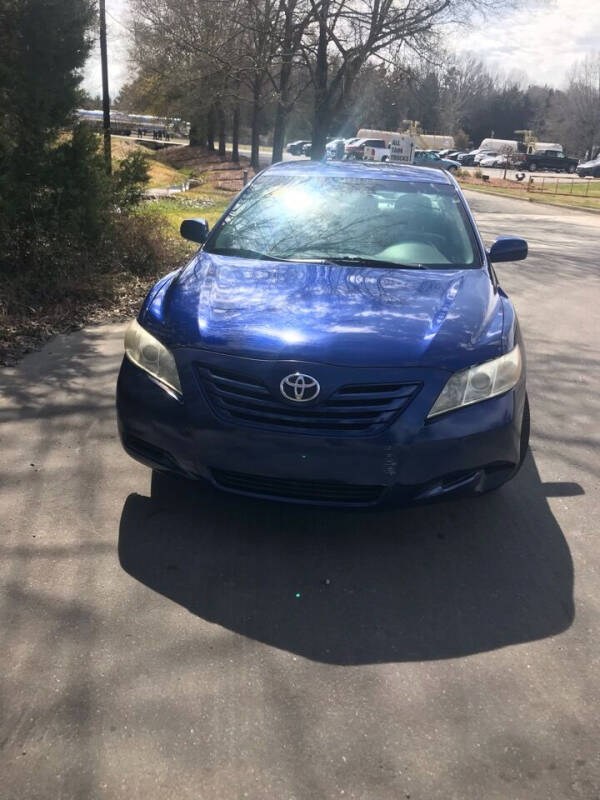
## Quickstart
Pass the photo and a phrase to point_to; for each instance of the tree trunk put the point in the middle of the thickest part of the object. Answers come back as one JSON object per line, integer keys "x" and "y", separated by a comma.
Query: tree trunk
{"x": 235, "y": 133}
{"x": 221, "y": 125}
{"x": 321, "y": 106}
{"x": 196, "y": 139}
{"x": 256, "y": 115}
{"x": 210, "y": 129}
{"x": 281, "y": 111}
{"x": 279, "y": 133}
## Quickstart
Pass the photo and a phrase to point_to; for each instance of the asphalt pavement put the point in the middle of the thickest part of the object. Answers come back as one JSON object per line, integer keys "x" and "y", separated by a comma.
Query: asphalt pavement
{"x": 164, "y": 641}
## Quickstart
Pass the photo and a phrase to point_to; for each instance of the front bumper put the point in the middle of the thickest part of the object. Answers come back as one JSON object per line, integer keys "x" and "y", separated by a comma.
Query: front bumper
{"x": 467, "y": 451}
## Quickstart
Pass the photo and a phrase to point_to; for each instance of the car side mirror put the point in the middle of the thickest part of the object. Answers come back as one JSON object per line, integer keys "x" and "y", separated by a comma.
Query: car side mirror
{"x": 196, "y": 230}
{"x": 508, "y": 248}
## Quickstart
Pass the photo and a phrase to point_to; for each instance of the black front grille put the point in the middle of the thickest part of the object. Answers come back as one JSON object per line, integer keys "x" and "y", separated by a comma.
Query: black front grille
{"x": 353, "y": 409}
{"x": 289, "y": 489}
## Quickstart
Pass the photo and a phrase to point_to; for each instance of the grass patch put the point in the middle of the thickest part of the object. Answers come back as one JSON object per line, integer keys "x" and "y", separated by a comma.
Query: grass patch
{"x": 576, "y": 200}
{"x": 175, "y": 208}
{"x": 162, "y": 175}
{"x": 219, "y": 182}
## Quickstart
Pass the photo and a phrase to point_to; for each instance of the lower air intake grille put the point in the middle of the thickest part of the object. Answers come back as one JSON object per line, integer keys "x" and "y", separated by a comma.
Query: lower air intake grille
{"x": 288, "y": 489}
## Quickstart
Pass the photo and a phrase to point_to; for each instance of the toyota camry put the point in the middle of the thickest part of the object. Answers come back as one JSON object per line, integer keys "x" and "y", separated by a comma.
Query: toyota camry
{"x": 340, "y": 338}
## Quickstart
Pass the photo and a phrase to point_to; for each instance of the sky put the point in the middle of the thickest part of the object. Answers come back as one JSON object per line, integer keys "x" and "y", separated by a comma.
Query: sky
{"x": 539, "y": 43}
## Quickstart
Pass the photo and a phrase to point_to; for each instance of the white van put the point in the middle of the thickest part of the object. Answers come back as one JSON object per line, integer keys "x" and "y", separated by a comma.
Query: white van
{"x": 503, "y": 146}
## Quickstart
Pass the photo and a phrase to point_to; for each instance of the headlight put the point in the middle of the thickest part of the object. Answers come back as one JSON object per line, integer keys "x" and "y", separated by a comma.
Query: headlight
{"x": 479, "y": 383}
{"x": 151, "y": 355}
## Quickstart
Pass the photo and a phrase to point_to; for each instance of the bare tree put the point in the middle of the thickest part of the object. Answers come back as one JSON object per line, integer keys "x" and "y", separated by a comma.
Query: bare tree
{"x": 347, "y": 33}
{"x": 583, "y": 103}
{"x": 295, "y": 16}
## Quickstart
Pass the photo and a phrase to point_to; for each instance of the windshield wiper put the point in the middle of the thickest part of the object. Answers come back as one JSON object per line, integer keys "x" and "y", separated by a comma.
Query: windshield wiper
{"x": 242, "y": 252}
{"x": 372, "y": 262}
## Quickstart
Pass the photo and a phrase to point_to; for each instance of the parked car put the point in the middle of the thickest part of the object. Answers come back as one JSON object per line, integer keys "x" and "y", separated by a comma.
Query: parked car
{"x": 253, "y": 369}
{"x": 499, "y": 160}
{"x": 335, "y": 147}
{"x": 295, "y": 148}
{"x": 549, "y": 160}
{"x": 357, "y": 148}
{"x": 589, "y": 169}
{"x": 467, "y": 159}
{"x": 484, "y": 154}
{"x": 428, "y": 158}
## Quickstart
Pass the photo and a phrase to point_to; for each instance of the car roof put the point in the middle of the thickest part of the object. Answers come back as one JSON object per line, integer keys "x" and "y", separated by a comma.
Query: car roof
{"x": 359, "y": 169}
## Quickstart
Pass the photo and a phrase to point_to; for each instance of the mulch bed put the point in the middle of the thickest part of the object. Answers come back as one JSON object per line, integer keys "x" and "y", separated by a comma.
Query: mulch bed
{"x": 20, "y": 335}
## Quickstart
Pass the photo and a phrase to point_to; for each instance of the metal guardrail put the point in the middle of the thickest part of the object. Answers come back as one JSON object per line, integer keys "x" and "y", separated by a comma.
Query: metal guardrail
{"x": 564, "y": 187}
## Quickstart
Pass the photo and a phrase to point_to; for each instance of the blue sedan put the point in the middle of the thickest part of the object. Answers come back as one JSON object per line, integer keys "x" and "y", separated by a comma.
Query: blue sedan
{"x": 339, "y": 338}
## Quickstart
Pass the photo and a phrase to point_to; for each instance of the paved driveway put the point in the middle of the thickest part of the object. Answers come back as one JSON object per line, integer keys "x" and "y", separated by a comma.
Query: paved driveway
{"x": 162, "y": 642}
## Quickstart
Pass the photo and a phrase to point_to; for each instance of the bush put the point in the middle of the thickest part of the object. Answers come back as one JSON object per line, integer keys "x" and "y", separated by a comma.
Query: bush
{"x": 144, "y": 245}
{"x": 129, "y": 181}
{"x": 70, "y": 238}
{"x": 73, "y": 204}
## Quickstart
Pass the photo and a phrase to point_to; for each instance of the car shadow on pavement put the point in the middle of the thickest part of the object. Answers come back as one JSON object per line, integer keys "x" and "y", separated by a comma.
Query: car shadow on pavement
{"x": 342, "y": 587}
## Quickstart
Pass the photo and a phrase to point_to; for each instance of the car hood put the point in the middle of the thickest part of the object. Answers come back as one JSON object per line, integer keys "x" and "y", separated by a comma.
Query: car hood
{"x": 326, "y": 313}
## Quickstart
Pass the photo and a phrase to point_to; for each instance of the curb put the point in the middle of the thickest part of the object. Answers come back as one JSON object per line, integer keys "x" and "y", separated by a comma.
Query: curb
{"x": 470, "y": 188}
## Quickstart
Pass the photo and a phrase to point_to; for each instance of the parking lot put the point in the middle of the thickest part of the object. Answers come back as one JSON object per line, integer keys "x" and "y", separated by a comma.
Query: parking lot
{"x": 162, "y": 641}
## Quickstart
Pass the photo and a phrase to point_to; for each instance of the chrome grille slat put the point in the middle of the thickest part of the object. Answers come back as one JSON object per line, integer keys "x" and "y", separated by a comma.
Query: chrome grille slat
{"x": 307, "y": 414}
{"x": 352, "y": 409}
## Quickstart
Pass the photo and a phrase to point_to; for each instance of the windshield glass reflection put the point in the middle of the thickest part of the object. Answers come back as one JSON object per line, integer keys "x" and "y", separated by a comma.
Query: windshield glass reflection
{"x": 349, "y": 220}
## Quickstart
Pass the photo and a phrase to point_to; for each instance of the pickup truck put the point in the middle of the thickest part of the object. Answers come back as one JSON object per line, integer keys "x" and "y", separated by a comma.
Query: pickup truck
{"x": 548, "y": 160}
{"x": 356, "y": 149}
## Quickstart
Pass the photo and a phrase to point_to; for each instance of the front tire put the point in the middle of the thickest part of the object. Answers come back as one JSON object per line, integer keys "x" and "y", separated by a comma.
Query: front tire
{"x": 532, "y": 166}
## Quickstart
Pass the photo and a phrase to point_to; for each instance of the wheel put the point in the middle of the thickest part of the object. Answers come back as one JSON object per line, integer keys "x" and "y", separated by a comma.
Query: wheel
{"x": 385, "y": 158}
{"x": 532, "y": 166}
{"x": 571, "y": 169}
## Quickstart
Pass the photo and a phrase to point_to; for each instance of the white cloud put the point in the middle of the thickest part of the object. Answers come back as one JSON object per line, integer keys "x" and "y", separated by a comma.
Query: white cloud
{"x": 541, "y": 42}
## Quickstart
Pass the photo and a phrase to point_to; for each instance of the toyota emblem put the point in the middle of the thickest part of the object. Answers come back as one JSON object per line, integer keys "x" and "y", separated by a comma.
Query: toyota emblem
{"x": 299, "y": 388}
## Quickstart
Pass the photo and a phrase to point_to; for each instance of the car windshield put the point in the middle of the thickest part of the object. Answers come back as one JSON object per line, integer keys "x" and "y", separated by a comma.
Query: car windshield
{"x": 345, "y": 219}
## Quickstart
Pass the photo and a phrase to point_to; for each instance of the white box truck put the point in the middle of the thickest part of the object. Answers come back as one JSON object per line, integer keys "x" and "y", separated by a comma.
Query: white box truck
{"x": 400, "y": 148}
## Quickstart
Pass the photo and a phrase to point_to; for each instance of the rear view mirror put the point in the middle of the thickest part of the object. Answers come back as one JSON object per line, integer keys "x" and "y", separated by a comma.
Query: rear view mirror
{"x": 196, "y": 230}
{"x": 508, "y": 248}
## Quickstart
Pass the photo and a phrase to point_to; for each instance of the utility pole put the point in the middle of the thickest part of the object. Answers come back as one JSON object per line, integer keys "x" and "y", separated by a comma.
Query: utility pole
{"x": 105, "y": 95}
